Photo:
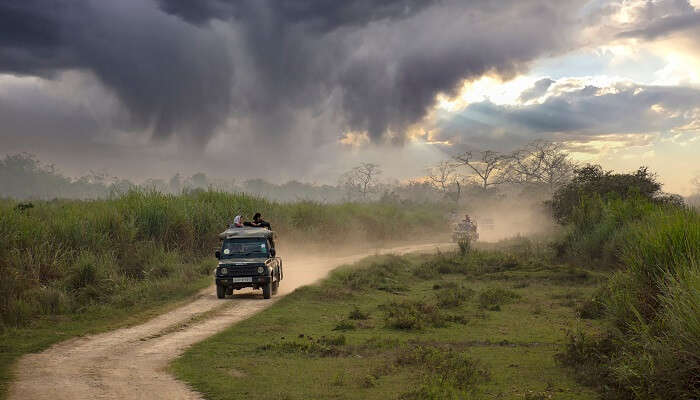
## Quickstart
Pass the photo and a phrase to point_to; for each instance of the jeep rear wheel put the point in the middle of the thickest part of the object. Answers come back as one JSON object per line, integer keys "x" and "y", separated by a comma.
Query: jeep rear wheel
{"x": 267, "y": 290}
{"x": 220, "y": 291}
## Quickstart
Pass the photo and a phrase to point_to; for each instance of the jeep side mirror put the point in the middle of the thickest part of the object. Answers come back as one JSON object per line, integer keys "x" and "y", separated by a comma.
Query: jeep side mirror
{"x": 217, "y": 254}
{"x": 272, "y": 252}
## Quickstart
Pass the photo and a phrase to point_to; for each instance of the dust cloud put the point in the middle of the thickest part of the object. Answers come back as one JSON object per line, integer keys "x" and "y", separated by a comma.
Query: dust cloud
{"x": 509, "y": 217}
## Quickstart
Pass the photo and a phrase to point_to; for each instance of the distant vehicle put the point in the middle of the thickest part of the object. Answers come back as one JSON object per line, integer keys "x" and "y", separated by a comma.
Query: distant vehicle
{"x": 465, "y": 231}
{"x": 247, "y": 259}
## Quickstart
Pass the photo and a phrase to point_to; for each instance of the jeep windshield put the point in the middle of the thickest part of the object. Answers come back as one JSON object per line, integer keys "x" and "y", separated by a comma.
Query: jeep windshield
{"x": 244, "y": 247}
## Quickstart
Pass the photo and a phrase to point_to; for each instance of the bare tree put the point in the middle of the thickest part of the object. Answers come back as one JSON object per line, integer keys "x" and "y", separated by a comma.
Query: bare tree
{"x": 444, "y": 176}
{"x": 441, "y": 175}
{"x": 540, "y": 162}
{"x": 361, "y": 180}
{"x": 488, "y": 166}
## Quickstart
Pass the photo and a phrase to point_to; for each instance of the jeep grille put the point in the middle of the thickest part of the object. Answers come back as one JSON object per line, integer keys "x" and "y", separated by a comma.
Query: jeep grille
{"x": 247, "y": 270}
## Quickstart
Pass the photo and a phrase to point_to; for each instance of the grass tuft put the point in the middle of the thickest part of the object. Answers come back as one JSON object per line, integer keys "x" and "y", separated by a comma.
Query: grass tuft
{"x": 494, "y": 298}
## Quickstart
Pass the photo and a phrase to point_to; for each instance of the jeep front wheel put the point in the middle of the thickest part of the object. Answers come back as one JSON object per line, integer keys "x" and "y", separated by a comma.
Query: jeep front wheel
{"x": 267, "y": 290}
{"x": 220, "y": 291}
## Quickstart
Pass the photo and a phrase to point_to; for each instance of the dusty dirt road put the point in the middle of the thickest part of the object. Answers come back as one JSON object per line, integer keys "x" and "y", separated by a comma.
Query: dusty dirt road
{"x": 130, "y": 363}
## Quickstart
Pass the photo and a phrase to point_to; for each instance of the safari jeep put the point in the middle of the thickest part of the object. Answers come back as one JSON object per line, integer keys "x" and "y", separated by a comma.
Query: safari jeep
{"x": 247, "y": 259}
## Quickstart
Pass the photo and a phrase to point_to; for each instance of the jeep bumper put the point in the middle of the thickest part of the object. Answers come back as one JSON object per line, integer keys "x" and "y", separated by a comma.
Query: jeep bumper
{"x": 242, "y": 281}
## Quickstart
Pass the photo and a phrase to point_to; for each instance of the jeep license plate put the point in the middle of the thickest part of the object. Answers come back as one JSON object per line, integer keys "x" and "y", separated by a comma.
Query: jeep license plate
{"x": 244, "y": 279}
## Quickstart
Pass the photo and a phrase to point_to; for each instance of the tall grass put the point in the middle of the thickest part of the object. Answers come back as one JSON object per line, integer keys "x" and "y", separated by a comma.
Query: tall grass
{"x": 62, "y": 256}
{"x": 596, "y": 223}
{"x": 653, "y": 299}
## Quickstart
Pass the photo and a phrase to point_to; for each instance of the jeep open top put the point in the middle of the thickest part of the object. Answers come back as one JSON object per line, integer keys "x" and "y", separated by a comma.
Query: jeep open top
{"x": 247, "y": 259}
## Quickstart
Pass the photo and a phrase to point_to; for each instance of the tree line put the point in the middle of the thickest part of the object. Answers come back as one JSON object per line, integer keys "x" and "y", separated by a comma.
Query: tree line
{"x": 539, "y": 168}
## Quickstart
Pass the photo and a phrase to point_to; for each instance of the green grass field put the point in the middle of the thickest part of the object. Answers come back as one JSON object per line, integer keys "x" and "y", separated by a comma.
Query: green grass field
{"x": 442, "y": 326}
{"x": 487, "y": 325}
{"x": 72, "y": 267}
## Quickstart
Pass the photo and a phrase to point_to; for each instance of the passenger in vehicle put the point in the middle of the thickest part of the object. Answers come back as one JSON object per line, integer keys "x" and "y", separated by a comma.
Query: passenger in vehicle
{"x": 238, "y": 222}
{"x": 259, "y": 221}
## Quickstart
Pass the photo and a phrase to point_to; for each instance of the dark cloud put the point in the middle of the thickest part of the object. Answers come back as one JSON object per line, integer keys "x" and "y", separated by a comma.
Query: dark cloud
{"x": 318, "y": 15}
{"x": 661, "y": 18}
{"x": 538, "y": 89}
{"x": 589, "y": 112}
{"x": 665, "y": 26}
{"x": 171, "y": 76}
{"x": 274, "y": 70}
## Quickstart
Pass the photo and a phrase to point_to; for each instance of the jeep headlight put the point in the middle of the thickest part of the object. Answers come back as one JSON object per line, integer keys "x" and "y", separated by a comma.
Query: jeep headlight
{"x": 261, "y": 270}
{"x": 223, "y": 271}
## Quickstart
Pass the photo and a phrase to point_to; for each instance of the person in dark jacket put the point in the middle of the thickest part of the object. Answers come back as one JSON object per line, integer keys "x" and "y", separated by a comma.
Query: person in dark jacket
{"x": 259, "y": 221}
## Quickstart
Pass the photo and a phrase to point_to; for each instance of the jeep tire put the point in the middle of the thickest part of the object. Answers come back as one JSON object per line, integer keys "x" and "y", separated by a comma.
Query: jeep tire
{"x": 267, "y": 290}
{"x": 220, "y": 291}
{"x": 229, "y": 291}
{"x": 275, "y": 287}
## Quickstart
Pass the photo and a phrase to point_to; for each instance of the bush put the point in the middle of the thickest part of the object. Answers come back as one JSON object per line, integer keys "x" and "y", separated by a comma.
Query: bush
{"x": 592, "y": 181}
{"x": 591, "y": 309}
{"x": 651, "y": 301}
{"x": 385, "y": 274}
{"x": 84, "y": 273}
{"x": 494, "y": 298}
{"x": 344, "y": 325}
{"x": 591, "y": 359}
{"x": 413, "y": 315}
{"x": 453, "y": 296}
{"x": 358, "y": 314}
{"x": 445, "y": 372}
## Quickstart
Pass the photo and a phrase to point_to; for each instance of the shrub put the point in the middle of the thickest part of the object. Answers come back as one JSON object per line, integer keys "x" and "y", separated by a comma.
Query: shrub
{"x": 384, "y": 275}
{"x": 369, "y": 381}
{"x": 85, "y": 272}
{"x": 591, "y": 360}
{"x": 594, "y": 307}
{"x": 412, "y": 315}
{"x": 344, "y": 325}
{"x": 358, "y": 314}
{"x": 593, "y": 181}
{"x": 333, "y": 340}
{"x": 652, "y": 300}
{"x": 453, "y": 296}
{"x": 445, "y": 372}
{"x": 493, "y": 298}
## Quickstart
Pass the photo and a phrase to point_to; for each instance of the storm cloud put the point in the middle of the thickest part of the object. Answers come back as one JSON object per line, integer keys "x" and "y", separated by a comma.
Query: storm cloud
{"x": 274, "y": 70}
{"x": 652, "y": 20}
{"x": 169, "y": 75}
{"x": 538, "y": 89}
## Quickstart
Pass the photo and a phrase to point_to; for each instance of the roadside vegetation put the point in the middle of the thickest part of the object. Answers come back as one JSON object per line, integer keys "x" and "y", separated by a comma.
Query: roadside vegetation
{"x": 611, "y": 303}
{"x": 443, "y": 326}
{"x": 651, "y": 305}
{"x": 70, "y": 267}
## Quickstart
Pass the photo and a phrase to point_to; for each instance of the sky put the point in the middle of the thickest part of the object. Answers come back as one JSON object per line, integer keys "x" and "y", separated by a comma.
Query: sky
{"x": 292, "y": 89}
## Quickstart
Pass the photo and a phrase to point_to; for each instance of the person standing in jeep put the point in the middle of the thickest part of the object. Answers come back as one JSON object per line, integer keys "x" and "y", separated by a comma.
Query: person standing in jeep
{"x": 260, "y": 222}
